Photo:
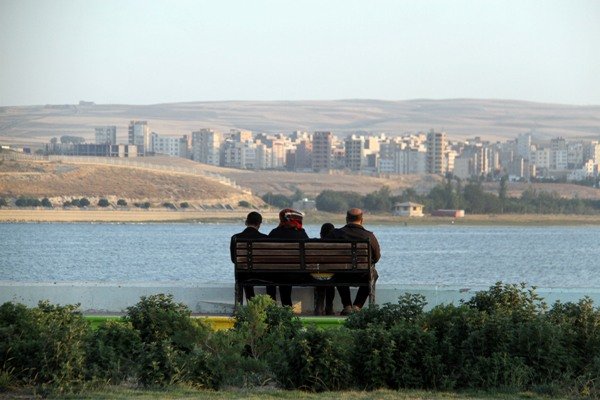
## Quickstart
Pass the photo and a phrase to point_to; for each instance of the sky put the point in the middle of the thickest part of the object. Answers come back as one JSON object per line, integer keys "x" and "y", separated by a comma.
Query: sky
{"x": 149, "y": 52}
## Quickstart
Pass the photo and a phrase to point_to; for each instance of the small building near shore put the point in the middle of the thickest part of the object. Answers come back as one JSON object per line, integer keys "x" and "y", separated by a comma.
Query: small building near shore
{"x": 408, "y": 209}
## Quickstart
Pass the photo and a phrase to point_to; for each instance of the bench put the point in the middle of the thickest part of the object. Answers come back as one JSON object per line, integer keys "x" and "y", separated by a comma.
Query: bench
{"x": 305, "y": 262}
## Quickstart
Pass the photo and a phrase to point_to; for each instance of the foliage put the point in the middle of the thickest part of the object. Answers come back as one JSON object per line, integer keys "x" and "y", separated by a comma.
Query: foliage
{"x": 44, "y": 345}
{"x": 244, "y": 204}
{"x": 84, "y": 202}
{"x": 277, "y": 200}
{"x": 170, "y": 206}
{"x": 46, "y": 202}
{"x": 332, "y": 201}
{"x": 504, "y": 338}
{"x": 111, "y": 352}
{"x": 144, "y": 205}
{"x": 3, "y": 202}
{"x": 169, "y": 338}
{"x": 24, "y": 201}
{"x": 185, "y": 204}
{"x": 103, "y": 203}
{"x": 121, "y": 202}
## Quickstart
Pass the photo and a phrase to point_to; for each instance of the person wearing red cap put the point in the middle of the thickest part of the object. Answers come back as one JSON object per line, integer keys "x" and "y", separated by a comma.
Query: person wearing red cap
{"x": 290, "y": 227}
{"x": 354, "y": 230}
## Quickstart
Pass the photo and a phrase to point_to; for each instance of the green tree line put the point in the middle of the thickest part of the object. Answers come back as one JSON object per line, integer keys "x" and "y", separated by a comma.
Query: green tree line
{"x": 450, "y": 194}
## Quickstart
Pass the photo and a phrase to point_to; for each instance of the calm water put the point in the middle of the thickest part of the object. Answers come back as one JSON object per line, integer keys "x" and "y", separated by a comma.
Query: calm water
{"x": 199, "y": 253}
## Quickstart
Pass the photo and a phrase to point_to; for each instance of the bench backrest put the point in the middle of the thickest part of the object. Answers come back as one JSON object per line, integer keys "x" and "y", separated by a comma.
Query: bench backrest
{"x": 307, "y": 254}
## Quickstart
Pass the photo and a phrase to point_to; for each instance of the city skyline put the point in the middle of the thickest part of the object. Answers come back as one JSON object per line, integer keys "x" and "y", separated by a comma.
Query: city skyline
{"x": 134, "y": 52}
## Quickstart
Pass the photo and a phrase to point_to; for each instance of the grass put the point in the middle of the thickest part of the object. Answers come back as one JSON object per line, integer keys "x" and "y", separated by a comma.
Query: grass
{"x": 120, "y": 392}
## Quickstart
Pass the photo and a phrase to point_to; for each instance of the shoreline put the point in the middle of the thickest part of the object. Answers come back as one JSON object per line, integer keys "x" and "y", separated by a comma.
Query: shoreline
{"x": 59, "y": 215}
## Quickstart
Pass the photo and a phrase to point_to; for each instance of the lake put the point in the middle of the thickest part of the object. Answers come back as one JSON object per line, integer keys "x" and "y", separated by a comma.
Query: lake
{"x": 567, "y": 257}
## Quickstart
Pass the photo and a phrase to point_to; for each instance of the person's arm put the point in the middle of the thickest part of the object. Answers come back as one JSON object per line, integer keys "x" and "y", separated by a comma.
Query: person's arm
{"x": 375, "y": 249}
{"x": 232, "y": 249}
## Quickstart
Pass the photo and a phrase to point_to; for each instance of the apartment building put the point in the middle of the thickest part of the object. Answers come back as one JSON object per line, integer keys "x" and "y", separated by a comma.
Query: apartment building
{"x": 206, "y": 146}
{"x": 170, "y": 145}
{"x": 322, "y": 155}
{"x": 106, "y": 135}
{"x": 436, "y": 152}
{"x": 139, "y": 135}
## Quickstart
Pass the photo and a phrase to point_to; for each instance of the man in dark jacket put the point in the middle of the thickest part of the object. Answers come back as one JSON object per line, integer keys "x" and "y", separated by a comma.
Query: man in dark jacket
{"x": 290, "y": 227}
{"x": 253, "y": 222}
{"x": 354, "y": 230}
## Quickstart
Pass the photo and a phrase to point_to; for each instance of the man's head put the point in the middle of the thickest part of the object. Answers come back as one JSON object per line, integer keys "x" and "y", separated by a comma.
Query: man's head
{"x": 254, "y": 219}
{"x": 354, "y": 216}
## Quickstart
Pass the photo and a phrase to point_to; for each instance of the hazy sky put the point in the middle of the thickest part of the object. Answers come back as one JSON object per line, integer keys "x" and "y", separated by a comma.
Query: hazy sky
{"x": 146, "y": 52}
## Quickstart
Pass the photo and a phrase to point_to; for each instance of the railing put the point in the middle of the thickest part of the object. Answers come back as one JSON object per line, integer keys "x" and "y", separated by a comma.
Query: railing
{"x": 128, "y": 163}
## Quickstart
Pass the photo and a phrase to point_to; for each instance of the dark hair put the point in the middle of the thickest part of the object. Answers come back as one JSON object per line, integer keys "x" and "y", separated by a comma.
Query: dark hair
{"x": 326, "y": 229}
{"x": 254, "y": 219}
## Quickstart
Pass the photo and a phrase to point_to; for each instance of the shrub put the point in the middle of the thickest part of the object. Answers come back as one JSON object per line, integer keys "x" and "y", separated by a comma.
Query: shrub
{"x": 24, "y": 201}
{"x": 83, "y": 202}
{"x": 112, "y": 351}
{"x": 373, "y": 357}
{"x": 121, "y": 203}
{"x": 409, "y": 308}
{"x": 44, "y": 345}
{"x": 244, "y": 204}
{"x": 46, "y": 202}
{"x": 76, "y": 203}
{"x": 185, "y": 204}
{"x": 103, "y": 203}
{"x": 3, "y": 202}
{"x": 169, "y": 338}
{"x": 508, "y": 298}
{"x": 316, "y": 360}
{"x": 170, "y": 206}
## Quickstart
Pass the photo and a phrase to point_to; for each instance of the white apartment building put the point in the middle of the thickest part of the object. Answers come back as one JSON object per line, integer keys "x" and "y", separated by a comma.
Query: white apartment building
{"x": 206, "y": 146}
{"x": 541, "y": 158}
{"x": 106, "y": 135}
{"x": 170, "y": 145}
{"x": 139, "y": 135}
{"x": 354, "y": 147}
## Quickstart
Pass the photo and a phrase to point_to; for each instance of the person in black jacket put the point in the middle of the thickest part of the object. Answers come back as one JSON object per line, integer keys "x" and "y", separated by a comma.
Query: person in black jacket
{"x": 354, "y": 230}
{"x": 325, "y": 294}
{"x": 290, "y": 227}
{"x": 253, "y": 222}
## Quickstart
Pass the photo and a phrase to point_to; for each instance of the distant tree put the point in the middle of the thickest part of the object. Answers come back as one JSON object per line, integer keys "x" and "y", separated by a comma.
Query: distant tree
{"x": 75, "y": 203}
{"x": 170, "y": 206}
{"x": 298, "y": 195}
{"x": 83, "y": 202}
{"x": 46, "y": 202}
{"x": 185, "y": 204}
{"x": 277, "y": 200}
{"x": 244, "y": 203}
{"x": 145, "y": 205}
{"x": 121, "y": 202}
{"x": 103, "y": 203}
{"x": 502, "y": 192}
{"x": 67, "y": 203}
{"x": 380, "y": 200}
{"x": 3, "y": 202}
{"x": 24, "y": 201}
{"x": 332, "y": 201}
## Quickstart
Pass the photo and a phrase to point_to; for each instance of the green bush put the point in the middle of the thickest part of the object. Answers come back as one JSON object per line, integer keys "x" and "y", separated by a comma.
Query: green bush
{"x": 121, "y": 202}
{"x": 168, "y": 337}
{"x": 24, "y": 201}
{"x": 170, "y": 206}
{"x": 112, "y": 352}
{"x": 45, "y": 345}
{"x": 84, "y": 202}
{"x": 103, "y": 203}
{"x": 46, "y": 202}
{"x": 185, "y": 204}
{"x": 3, "y": 202}
{"x": 409, "y": 308}
{"x": 244, "y": 204}
{"x": 316, "y": 360}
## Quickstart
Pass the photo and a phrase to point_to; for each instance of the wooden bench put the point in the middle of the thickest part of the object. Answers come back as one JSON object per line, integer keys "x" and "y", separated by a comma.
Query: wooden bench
{"x": 306, "y": 262}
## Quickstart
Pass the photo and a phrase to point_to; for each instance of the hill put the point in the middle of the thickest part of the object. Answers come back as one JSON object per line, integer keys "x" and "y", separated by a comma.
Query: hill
{"x": 460, "y": 118}
{"x": 61, "y": 181}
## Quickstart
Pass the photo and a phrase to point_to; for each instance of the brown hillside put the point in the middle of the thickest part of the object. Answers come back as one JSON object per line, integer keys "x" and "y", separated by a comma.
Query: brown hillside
{"x": 60, "y": 181}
